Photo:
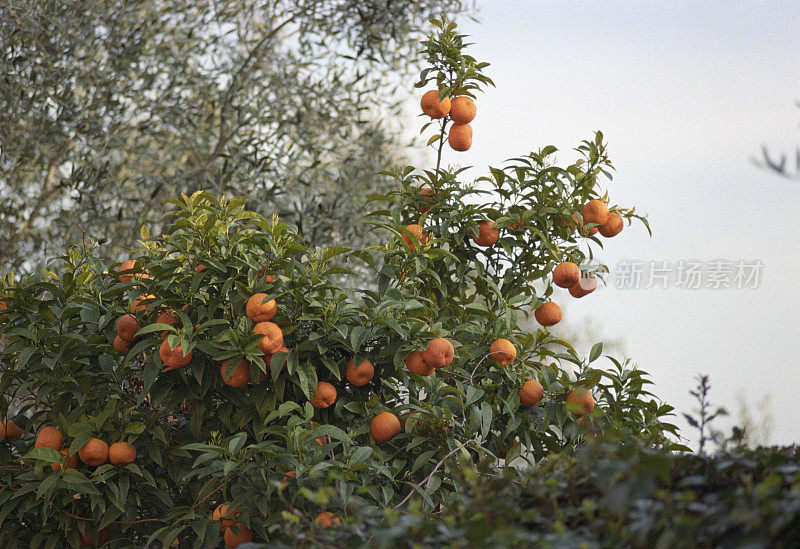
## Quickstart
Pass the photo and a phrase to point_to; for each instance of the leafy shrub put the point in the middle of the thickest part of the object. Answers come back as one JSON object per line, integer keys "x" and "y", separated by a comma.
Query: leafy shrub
{"x": 202, "y": 443}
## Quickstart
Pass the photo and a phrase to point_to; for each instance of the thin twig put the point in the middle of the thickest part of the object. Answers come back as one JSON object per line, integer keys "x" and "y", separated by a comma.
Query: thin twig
{"x": 426, "y": 481}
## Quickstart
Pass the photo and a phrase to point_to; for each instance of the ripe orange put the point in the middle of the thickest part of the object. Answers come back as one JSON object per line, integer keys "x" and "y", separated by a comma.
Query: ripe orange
{"x": 433, "y": 106}
{"x": 580, "y": 401}
{"x": 241, "y": 535}
{"x": 418, "y": 232}
{"x": 439, "y": 353}
{"x": 326, "y": 519}
{"x": 531, "y": 393}
{"x": 49, "y": 437}
{"x": 167, "y": 316}
{"x": 273, "y": 337}
{"x": 427, "y": 199}
{"x": 566, "y": 274}
{"x": 121, "y": 346}
{"x": 10, "y": 430}
{"x": 121, "y": 454}
{"x": 67, "y": 463}
{"x": 360, "y": 375}
{"x": 460, "y": 137}
{"x": 323, "y": 440}
{"x": 324, "y": 396}
{"x": 103, "y": 538}
{"x": 462, "y": 110}
{"x": 502, "y": 351}
{"x": 94, "y": 452}
{"x": 416, "y": 364}
{"x": 487, "y": 235}
{"x": 239, "y": 376}
{"x": 613, "y": 226}
{"x": 384, "y": 427}
{"x": 225, "y": 515}
{"x": 127, "y": 327}
{"x": 586, "y": 285}
{"x": 142, "y": 303}
{"x": 548, "y": 314}
{"x": 595, "y": 211}
{"x": 126, "y": 270}
{"x": 173, "y": 359}
{"x": 261, "y": 309}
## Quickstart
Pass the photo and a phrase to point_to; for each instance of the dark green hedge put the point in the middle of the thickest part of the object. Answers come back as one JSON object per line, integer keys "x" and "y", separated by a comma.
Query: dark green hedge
{"x": 611, "y": 494}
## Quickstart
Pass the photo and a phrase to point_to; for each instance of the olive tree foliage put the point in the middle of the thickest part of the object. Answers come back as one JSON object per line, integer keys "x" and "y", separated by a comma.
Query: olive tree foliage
{"x": 110, "y": 107}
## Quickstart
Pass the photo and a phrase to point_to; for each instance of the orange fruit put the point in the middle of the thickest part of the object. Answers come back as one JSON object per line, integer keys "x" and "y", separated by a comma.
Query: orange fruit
{"x": 273, "y": 337}
{"x": 323, "y": 440}
{"x": 613, "y": 226}
{"x": 67, "y": 463}
{"x": 502, "y": 351}
{"x": 566, "y": 274}
{"x": 9, "y": 430}
{"x": 261, "y": 309}
{"x": 326, "y": 519}
{"x": 167, "y": 316}
{"x": 433, "y": 106}
{"x": 384, "y": 427}
{"x": 586, "y": 285}
{"x": 324, "y": 396}
{"x": 121, "y": 454}
{"x": 126, "y": 270}
{"x": 225, "y": 515}
{"x": 239, "y": 376}
{"x": 418, "y": 232}
{"x": 439, "y": 353}
{"x": 487, "y": 234}
{"x": 121, "y": 346}
{"x": 548, "y": 314}
{"x": 580, "y": 401}
{"x": 460, "y": 137}
{"x": 359, "y": 375}
{"x": 127, "y": 327}
{"x": 94, "y": 452}
{"x": 200, "y": 268}
{"x": 416, "y": 364}
{"x": 103, "y": 538}
{"x": 142, "y": 303}
{"x": 462, "y": 110}
{"x": 531, "y": 393}
{"x": 49, "y": 437}
{"x": 173, "y": 359}
{"x": 595, "y": 211}
{"x": 427, "y": 199}
{"x": 242, "y": 534}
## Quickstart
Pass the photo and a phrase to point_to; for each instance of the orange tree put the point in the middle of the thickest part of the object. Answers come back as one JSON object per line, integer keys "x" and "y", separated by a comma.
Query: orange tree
{"x": 224, "y": 385}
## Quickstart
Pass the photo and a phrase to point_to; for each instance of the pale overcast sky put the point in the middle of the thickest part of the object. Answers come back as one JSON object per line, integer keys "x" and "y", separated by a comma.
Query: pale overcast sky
{"x": 685, "y": 93}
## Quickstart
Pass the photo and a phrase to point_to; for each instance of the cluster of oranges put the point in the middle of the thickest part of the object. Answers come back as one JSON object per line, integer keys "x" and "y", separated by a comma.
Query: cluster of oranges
{"x": 94, "y": 453}
{"x": 567, "y": 274}
{"x": 461, "y": 111}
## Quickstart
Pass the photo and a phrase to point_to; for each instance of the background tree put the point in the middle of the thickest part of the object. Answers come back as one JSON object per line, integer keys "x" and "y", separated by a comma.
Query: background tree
{"x": 109, "y": 107}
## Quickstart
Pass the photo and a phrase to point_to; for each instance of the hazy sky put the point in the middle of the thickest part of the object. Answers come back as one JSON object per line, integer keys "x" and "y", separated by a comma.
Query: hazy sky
{"x": 686, "y": 93}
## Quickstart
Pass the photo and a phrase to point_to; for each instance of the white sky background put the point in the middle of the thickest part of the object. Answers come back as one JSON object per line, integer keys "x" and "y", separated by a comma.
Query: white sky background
{"x": 685, "y": 93}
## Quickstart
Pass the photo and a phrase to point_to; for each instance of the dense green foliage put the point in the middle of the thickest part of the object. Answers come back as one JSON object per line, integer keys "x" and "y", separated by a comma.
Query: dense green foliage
{"x": 612, "y": 493}
{"x": 109, "y": 107}
{"x": 202, "y": 442}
